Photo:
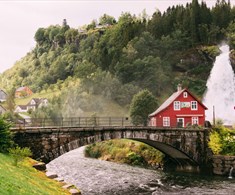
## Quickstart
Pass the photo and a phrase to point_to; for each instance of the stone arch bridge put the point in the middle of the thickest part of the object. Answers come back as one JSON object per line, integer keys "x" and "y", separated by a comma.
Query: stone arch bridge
{"x": 186, "y": 149}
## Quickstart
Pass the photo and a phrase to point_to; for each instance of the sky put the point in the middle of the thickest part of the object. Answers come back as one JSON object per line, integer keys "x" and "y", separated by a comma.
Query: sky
{"x": 19, "y": 20}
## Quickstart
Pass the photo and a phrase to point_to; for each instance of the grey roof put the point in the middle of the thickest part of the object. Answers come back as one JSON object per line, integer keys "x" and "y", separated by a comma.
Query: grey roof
{"x": 3, "y": 91}
{"x": 23, "y": 107}
{"x": 167, "y": 102}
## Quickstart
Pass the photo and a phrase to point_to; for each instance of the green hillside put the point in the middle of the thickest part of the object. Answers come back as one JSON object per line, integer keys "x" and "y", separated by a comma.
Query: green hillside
{"x": 24, "y": 180}
{"x": 113, "y": 60}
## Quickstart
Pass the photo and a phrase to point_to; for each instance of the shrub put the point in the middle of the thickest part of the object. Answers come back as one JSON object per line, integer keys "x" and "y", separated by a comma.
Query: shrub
{"x": 222, "y": 141}
{"x": 92, "y": 151}
{"x": 19, "y": 154}
{"x": 215, "y": 143}
{"x": 135, "y": 159}
{"x": 6, "y": 140}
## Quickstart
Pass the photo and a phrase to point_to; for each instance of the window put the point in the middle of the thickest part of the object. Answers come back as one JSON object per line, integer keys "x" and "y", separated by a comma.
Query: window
{"x": 180, "y": 122}
{"x": 194, "y": 120}
{"x": 185, "y": 94}
{"x": 153, "y": 121}
{"x": 176, "y": 105}
{"x": 166, "y": 121}
{"x": 194, "y": 105}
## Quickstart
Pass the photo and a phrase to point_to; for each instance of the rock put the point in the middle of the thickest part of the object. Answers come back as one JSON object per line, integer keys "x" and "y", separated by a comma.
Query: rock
{"x": 41, "y": 166}
{"x": 51, "y": 175}
{"x": 74, "y": 192}
{"x": 67, "y": 186}
{"x": 59, "y": 179}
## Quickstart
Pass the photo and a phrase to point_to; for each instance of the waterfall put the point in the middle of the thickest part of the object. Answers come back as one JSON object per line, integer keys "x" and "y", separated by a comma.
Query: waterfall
{"x": 221, "y": 89}
{"x": 230, "y": 173}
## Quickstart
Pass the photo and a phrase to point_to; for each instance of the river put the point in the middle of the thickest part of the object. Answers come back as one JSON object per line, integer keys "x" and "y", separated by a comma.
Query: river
{"x": 97, "y": 177}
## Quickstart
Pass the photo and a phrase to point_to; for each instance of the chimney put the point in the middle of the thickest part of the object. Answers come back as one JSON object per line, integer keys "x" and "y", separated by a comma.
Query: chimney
{"x": 179, "y": 87}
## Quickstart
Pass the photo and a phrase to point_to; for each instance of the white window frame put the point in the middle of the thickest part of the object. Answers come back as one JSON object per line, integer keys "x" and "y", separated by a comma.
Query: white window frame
{"x": 153, "y": 122}
{"x": 194, "y": 105}
{"x": 185, "y": 94}
{"x": 166, "y": 121}
{"x": 195, "y": 120}
{"x": 177, "y": 105}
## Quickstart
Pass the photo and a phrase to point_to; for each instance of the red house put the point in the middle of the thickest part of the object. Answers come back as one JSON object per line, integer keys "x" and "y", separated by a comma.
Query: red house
{"x": 182, "y": 108}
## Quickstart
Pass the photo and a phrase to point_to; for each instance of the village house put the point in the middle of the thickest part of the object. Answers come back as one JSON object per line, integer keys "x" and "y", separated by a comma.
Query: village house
{"x": 37, "y": 103}
{"x": 23, "y": 92}
{"x": 21, "y": 108}
{"x": 33, "y": 104}
{"x": 3, "y": 95}
{"x": 181, "y": 109}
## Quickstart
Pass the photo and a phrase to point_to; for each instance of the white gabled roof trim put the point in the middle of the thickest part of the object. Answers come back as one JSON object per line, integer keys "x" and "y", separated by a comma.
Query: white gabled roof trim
{"x": 167, "y": 102}
{"x": 171, "y": 99}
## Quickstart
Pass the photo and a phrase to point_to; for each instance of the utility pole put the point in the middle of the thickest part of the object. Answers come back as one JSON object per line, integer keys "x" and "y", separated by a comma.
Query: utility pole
{"x": 214, "y": 115}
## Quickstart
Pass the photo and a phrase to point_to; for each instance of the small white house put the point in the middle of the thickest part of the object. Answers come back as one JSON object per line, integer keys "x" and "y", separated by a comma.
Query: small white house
{"x": 21, "y": 108}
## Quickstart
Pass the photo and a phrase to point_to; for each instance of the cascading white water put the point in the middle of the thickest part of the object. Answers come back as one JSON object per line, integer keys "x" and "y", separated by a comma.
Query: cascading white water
{"x": 221, "y": 89}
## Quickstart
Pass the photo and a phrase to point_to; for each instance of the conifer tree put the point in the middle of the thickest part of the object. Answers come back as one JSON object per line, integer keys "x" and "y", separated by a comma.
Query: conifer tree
{"x": 5, "y": 136}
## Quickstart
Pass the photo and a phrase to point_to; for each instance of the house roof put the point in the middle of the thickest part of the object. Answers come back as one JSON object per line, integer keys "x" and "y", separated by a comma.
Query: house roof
{"x": 3, "y": 107}
{"x": 37, "y": 100}
{"x": 22, "y": 107}
{"x": 172, "y": 98}
{"x": 22, "y": 88}
{"x": 3, "y": 91}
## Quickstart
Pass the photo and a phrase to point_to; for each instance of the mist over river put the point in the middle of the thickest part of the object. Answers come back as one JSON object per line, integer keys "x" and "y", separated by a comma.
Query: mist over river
{"x": 97, "y": 177}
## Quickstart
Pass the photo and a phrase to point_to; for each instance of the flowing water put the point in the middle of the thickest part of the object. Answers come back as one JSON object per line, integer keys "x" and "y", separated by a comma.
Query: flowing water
{"x": 221, "y": 89}
{"x": 96, "y": 177}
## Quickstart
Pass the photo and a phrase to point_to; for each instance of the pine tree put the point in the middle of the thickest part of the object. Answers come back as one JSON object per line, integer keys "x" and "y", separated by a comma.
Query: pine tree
{"x": 6, "y": 141}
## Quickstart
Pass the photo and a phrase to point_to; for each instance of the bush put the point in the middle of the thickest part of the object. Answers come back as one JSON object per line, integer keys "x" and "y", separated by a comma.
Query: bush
{"x": 215, "y": 143}
{"x": 19, "y": 154}
{"x": 6, "y": 140}
{"x": 92, "y": 151}
{"x": 135, "y": 159}
{"x": 222, "y": 141}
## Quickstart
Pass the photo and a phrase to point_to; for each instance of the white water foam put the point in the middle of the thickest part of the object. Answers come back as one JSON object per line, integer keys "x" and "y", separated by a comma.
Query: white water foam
{"x": 221, "y": 89}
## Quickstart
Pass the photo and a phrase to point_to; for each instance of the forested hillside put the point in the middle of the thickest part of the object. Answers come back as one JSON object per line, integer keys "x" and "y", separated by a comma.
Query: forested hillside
{"x": 117, "y": 59}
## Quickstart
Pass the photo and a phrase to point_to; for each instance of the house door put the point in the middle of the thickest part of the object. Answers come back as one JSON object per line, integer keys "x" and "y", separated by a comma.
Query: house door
{"x": 180, "y": 122}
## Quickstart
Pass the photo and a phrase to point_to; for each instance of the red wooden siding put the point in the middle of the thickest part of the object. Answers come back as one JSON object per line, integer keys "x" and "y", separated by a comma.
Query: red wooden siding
{"x": 185, "y": 113}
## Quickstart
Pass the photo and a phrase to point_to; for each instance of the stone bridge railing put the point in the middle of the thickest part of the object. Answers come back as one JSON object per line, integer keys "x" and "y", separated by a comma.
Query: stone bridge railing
{"x": 187, "y": 148}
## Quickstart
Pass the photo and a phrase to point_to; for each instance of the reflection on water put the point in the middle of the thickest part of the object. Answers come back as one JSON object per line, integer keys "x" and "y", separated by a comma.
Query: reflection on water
{"x": 96, "y": 177}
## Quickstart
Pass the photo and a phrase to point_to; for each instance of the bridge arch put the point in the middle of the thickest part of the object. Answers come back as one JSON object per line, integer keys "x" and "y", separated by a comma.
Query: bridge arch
{"x": 187, "y": 148}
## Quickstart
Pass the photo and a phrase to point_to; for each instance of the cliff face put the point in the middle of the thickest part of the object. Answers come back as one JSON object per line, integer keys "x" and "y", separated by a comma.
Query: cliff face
{"x": 232, "y": 59}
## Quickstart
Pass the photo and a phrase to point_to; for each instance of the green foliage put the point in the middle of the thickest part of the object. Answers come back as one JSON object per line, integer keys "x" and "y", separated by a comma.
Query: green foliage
{"x": 91, "y": 152}
{"x": 125, "y": 151}
{"x": 142, "y": 104}
{"x": 222, "y": 141}
{"x": 130, "y": 54}
{"x": 19, "y": 154}
{"x": 135, "y": 159}
{"x": 215, "y": 143}
{"x": 6, "y": 140}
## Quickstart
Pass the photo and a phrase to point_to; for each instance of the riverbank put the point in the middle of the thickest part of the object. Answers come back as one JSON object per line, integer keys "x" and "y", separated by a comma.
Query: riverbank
{"x": 126, "y": 151}
{"x": 24, "y": 179}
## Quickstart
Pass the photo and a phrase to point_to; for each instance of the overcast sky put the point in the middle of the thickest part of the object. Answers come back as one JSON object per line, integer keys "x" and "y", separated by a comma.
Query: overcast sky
{"x": 19, "y": 20}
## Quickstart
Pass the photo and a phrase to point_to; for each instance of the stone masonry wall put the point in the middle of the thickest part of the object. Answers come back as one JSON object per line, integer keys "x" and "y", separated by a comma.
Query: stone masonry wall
{"x": 222, "y": 165}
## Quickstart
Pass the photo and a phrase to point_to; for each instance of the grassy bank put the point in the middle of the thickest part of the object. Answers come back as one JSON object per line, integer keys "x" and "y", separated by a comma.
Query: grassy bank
{"x": 25, "y": 180}
{"x": 125, "y": 151}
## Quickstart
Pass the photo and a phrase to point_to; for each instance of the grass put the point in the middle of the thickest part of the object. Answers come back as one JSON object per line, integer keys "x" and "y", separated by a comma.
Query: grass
{"x": 24, "y": 179}
{"x": 44, "y": 94}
